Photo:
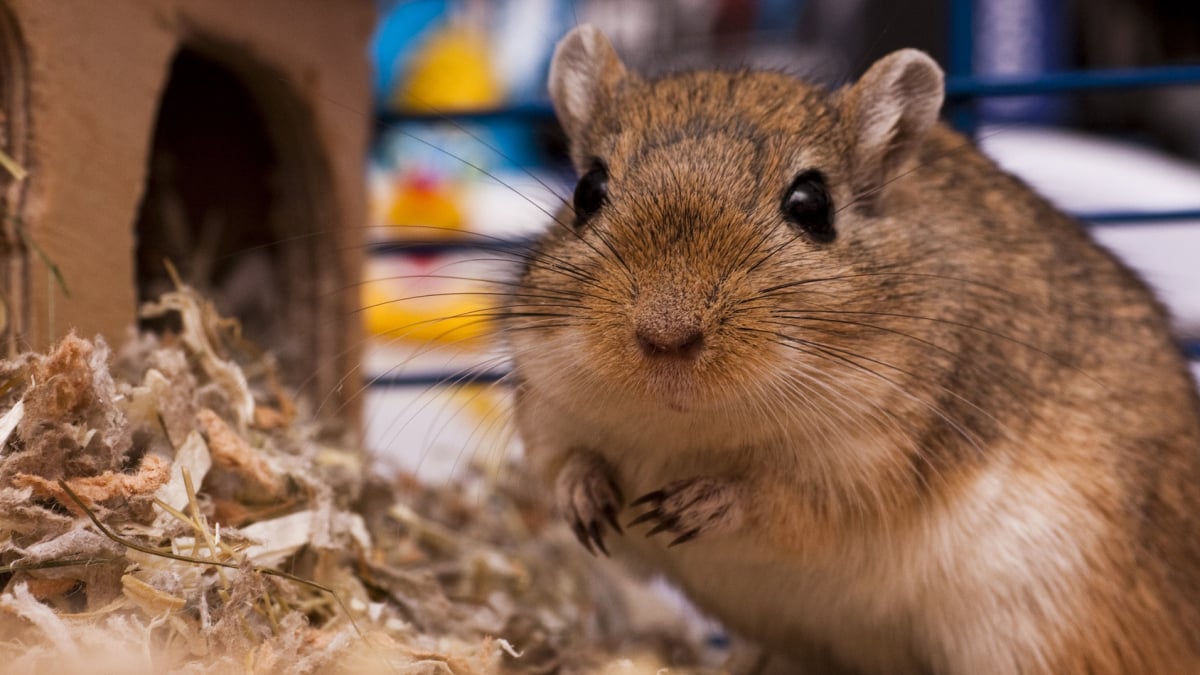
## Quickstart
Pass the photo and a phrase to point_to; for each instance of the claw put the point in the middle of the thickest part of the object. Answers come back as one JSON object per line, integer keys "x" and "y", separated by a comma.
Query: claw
{"x": 616, "y": 490}
{"x": 656, "y": 496}
{"x": 610, "y": 514}
{"x": 589, "y": 499}
{"x": 597, "y": 537}
{"x": 662, "y": 527}
{"x": 645, "y": 517}
{"x": 690, "y": 508}
{"x": 582, "y": 535}
{"x": 684, "y": 538}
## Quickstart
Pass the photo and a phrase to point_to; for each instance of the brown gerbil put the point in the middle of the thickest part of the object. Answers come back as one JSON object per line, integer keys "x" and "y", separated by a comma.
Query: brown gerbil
{"x": 882, "y": 408}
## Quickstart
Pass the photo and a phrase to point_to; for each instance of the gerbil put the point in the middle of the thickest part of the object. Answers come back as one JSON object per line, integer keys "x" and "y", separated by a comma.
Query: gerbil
{"x": 881, "y": 407}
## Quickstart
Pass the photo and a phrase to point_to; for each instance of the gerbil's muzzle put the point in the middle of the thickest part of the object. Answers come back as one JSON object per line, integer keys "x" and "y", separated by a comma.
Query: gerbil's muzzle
{"x": 668, "y": 325}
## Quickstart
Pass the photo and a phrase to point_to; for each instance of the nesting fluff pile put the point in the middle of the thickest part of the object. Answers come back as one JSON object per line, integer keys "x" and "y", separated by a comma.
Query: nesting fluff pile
{"x": 170, "y": 508}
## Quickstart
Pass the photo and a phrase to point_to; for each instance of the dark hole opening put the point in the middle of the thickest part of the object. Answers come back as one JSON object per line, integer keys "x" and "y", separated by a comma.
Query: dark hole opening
{"x": 212, "y": 198}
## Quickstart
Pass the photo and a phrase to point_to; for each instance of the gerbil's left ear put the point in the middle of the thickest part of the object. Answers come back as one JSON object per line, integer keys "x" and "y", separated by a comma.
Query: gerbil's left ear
{"x": 585, "y": 70}
{"x": 892, "y": 107}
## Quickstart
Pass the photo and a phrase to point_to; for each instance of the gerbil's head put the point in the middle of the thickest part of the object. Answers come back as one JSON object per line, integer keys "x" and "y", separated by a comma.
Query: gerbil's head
{"x": 711, "y": 208}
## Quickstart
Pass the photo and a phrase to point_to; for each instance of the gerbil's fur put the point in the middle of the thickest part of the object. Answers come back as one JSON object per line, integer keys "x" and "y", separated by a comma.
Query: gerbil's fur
{"x": 957, "y": 438}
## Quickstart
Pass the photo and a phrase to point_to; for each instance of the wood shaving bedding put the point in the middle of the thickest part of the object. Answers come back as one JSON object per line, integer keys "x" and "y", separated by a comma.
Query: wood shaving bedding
{"x": 230, "y": 536}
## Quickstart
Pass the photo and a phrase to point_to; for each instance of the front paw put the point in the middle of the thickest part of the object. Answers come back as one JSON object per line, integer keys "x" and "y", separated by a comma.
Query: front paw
{"x": 689, "y": 508}
{"x": 589, "y": 497}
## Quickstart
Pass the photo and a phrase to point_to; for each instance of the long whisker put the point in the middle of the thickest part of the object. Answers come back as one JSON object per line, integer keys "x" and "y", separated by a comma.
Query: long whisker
{"x": 453, "y": 121}
{"x": 530, "y": 257}
{"x": 916, "y": 275}
{"x": 848, "y": 358}
{"x": 482, "y": 315}
{"x": 567, "y": 226}
{"x": 950, "y": 322}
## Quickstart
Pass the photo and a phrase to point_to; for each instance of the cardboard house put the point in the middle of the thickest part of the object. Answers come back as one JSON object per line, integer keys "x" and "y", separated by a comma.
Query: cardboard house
{"x": 226, "y": 136}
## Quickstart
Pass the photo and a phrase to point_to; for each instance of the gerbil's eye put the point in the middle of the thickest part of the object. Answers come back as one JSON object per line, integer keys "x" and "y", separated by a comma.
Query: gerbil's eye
{"x": 590, "y": 193}
{"x": 807, "y": 205}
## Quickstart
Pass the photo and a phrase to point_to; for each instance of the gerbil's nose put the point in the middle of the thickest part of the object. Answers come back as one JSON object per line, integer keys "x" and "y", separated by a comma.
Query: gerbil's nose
{"x": 658, "y": 336}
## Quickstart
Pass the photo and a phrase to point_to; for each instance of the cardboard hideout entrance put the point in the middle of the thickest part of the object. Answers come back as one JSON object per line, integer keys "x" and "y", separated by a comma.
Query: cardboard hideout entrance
{"x": 228, "y": 137}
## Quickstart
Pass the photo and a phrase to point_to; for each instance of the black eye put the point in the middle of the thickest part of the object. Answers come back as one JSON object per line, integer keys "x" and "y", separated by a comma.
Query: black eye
{"x": 590, "y": 193}
{"x": 807, "y": 205}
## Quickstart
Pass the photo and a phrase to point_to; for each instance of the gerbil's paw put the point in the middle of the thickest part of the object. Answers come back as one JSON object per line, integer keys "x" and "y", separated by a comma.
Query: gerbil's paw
{"x": 689, "y": 508}
{"x": 590, "y": 499}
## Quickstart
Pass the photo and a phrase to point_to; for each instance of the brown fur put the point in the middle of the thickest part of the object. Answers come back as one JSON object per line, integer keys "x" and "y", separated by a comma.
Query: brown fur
{"x": 960, "y": 441}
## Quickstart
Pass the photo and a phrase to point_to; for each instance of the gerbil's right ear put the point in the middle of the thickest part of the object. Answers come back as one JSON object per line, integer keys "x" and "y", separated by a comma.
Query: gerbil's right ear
{"x": 892, "y": 108}
{"x": 585, "y": 69}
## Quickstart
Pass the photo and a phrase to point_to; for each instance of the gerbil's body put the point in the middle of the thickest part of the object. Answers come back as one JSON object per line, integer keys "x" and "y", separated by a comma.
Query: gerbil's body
{"x": 930, "y": 428}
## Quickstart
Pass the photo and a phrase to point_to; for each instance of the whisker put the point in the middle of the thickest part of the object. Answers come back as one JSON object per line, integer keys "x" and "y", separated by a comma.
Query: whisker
{"x": 453, "y": 121}
{"x": 848, "y": 358}
{"x": 918, "y": 275}
{"x": 958, "y": 324}
{"x": 574, "y": 231}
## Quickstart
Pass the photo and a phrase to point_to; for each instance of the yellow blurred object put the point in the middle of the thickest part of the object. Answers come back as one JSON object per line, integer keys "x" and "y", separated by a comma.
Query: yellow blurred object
{"x": 427, "y": 207}
{"x": 395, "y": 314}
{"x": 449, "y": 73}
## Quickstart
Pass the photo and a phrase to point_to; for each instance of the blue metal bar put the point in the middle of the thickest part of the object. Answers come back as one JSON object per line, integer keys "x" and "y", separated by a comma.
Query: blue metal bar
{"x": 1191, "y": 349}
{"x": 1179, "y": 215}
{"x": 437, "y": 379}
{"x": 535, "y": 110}
{"x": 440, "y": 247}
{"x": 961, "y": 84}
{"x": 962, "y": 43}
{"x": 959, "y": 87}
{"x": 963, "y": 116}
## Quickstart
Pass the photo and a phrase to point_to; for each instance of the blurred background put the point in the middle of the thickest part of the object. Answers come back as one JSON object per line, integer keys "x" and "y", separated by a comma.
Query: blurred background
{"x": 1094, "y": 102}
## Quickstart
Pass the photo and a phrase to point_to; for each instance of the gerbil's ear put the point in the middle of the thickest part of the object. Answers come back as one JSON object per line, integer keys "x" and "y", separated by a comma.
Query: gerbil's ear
{"x": 585, "y": 69}
{"x": 892, "y": 107}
